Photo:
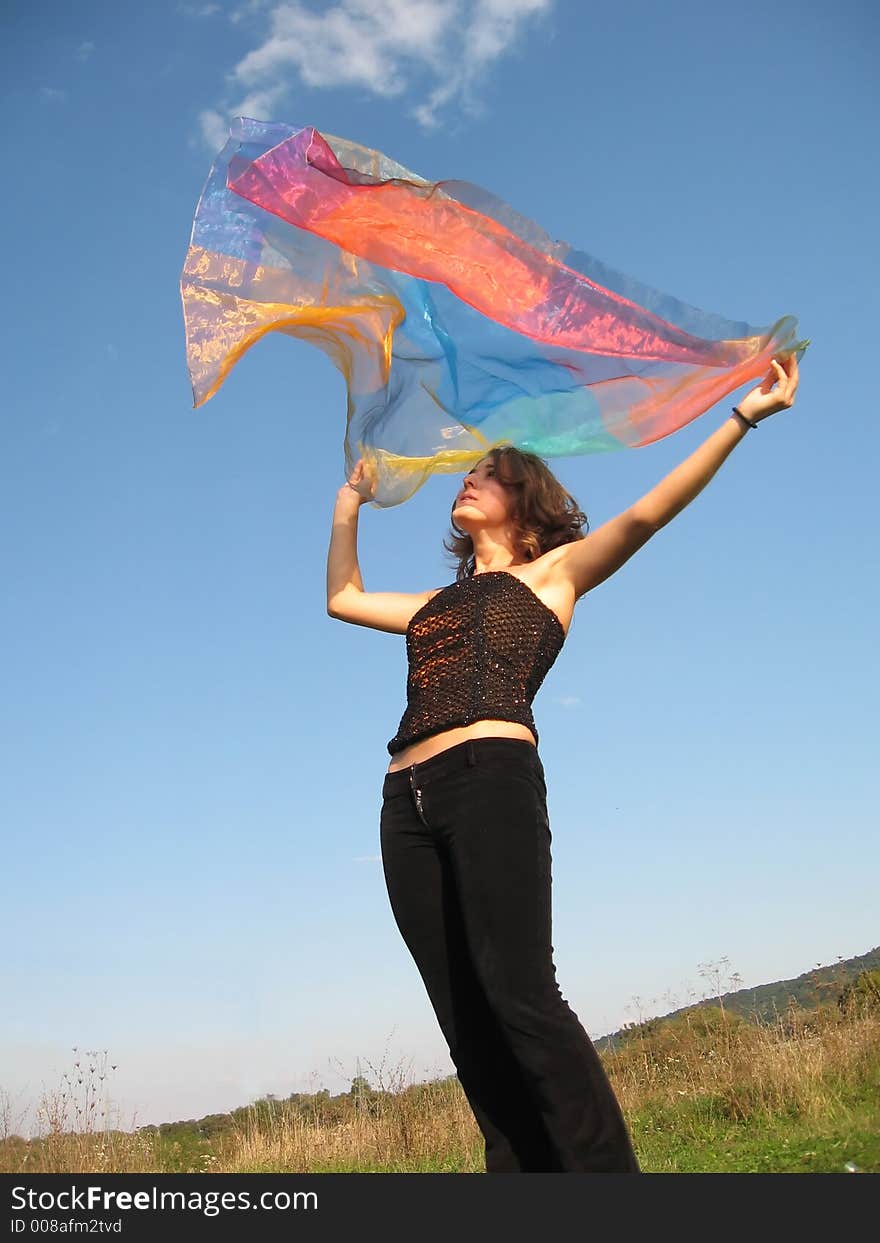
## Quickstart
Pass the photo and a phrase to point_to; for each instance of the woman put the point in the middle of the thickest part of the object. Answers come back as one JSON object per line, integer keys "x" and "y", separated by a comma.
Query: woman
{"x": 464, "y": 831}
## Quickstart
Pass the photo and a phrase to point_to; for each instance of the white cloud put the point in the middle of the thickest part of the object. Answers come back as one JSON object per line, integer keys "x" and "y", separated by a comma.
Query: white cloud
{"x": 260, "y": 103}
{"x": 247, "y": 10}
{"x": 52, "y": 95}
{"x": 201, "y": 10}
{"x": 496, "y": 25}
{"x": 439, "y": 48}
{"x": 568, "y": 701}
{"x": 491, "y": 32}
{"x": 84, "y": 51}
{"x": 354, "y": 43}
{"x": 214, "y": 129}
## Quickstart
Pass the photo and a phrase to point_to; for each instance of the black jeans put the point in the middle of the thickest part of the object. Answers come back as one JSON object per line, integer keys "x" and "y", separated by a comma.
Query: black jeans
{"x": 466, "y": 852}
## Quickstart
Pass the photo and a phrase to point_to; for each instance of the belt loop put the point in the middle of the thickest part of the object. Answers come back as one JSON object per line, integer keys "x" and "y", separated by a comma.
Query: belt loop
{"x": 471, "y": 755}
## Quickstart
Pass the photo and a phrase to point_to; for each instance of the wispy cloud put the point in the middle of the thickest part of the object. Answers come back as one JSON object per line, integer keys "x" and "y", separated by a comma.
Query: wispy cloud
{"x": 213, "y": 127}
{"x": 247, "y": 9}
{"x": 201, "y": 10}
{"x": 52, "y": 95}
{"x": 568, "y": 701}
{"x": 494, "y": 28}
{"x": 85, "y": 49}
{"x": 437, "y": 50}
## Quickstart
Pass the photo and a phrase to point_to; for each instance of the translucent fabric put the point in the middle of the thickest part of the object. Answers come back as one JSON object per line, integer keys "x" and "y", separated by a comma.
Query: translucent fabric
{"x": 457, "y": 324}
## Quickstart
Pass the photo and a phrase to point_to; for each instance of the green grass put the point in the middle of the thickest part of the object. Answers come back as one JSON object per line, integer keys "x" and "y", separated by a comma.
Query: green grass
{"x": 686, "y": 1141}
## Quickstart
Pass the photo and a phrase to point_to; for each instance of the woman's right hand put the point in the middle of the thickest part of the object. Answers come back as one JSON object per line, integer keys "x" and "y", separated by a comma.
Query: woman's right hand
{"x": 362, "y": 482}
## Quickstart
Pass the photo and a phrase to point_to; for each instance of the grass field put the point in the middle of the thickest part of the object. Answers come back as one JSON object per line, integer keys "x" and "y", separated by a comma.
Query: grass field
{"x": 704, "y": 1092}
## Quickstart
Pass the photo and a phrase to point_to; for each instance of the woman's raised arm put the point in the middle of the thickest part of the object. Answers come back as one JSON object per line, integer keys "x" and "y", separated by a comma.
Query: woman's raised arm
{"x": 343, "y": 571}
{"x": 346, "y": 599}
{"x": 681, "y": 485}
{"x": 588, "y": 562}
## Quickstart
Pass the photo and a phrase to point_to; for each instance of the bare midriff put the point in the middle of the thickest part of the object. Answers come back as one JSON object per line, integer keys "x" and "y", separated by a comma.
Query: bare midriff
{"x": 423, "y": 750}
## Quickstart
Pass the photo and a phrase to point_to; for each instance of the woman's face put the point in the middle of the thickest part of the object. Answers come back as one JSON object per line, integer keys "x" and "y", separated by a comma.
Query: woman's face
{"x": 482, "y": 498}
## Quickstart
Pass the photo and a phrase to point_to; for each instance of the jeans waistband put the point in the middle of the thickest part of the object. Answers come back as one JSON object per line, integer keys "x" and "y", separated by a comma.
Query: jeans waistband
{"x": 463, "y": 755}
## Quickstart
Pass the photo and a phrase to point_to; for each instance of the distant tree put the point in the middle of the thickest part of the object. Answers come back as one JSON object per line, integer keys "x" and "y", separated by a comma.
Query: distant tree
{"x": 365, "y": 1098}
{"x": 862, "y": 993}
{"x": 630, "y": 1032}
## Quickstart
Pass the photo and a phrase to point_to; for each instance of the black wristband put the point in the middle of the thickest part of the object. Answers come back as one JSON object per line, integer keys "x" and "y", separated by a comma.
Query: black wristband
{"x": 748, "y": 422}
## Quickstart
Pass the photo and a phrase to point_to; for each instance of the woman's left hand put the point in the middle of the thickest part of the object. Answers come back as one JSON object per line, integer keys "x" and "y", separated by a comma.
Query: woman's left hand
{"x": 760, "y": 403}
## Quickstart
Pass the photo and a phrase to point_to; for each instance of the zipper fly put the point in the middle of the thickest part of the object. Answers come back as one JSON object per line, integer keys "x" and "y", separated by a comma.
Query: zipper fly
{"x": 417, "y": 796}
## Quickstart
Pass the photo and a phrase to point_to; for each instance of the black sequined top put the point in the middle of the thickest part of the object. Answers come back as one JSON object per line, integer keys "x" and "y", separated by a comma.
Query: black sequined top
{"x": 478, "y": 650}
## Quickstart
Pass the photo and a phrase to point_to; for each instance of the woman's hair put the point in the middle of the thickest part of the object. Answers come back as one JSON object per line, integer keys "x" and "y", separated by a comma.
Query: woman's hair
{"x": 544, "y": 514}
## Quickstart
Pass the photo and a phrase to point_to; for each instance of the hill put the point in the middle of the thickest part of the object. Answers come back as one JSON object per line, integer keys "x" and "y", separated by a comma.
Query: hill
{"x": 765, "y": 1002}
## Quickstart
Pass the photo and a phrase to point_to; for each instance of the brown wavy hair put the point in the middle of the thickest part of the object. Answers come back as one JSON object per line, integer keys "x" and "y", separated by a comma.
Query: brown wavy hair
{"x": 544, "y": 514}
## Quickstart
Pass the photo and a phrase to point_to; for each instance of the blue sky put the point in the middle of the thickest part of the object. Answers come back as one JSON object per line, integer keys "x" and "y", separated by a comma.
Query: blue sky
{"x": 192, "y": 751}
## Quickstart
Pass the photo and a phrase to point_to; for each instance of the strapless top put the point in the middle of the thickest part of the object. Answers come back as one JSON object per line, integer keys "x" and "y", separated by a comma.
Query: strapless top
{"x": 478, "y": 650}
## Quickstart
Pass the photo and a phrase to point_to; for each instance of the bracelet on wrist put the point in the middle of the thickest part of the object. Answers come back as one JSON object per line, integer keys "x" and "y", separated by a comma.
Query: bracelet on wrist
{"x": 738, "y": 414}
